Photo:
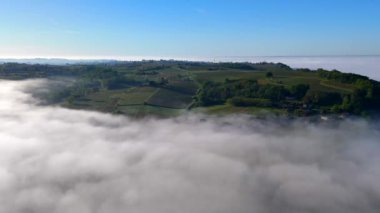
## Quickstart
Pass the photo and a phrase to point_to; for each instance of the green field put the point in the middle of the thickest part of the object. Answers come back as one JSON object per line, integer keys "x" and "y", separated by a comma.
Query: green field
{"x": 132, "y": 96}
{"x": 170, "y": 99}
{"x": 228, "y": 109}
{"x": 280, "y": 78}
{"x": 202, "y": 76}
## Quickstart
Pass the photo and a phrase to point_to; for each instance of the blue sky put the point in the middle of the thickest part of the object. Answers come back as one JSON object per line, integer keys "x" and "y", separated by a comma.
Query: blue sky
{"x": 188, "y": 28}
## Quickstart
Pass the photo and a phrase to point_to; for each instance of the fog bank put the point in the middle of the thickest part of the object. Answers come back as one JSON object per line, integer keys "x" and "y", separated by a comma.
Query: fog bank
{"x": 55, "y": 160}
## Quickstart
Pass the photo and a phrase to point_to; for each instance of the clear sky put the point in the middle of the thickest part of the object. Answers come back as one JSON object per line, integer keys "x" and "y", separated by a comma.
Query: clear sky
{"x": 188, "y": 28}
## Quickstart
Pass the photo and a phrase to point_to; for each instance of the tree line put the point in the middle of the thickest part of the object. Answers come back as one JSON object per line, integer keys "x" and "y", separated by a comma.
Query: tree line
{"x": 365, "y": 96}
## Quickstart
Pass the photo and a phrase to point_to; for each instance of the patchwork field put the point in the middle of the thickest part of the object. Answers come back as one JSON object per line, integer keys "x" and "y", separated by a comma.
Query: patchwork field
{"x": 170, "y": 99}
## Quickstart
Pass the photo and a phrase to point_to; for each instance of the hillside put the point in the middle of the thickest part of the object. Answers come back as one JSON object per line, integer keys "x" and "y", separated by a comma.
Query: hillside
{"x": 169, "y": 88}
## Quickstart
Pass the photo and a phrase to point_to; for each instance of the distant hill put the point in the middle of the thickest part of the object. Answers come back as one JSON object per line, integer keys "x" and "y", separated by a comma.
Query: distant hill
{"x": 53, "y": 61}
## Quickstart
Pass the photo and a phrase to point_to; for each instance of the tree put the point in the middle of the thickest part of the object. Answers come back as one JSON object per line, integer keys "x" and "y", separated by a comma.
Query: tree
{"x": 269, "y": 75}
{"x": 323, "y": 98}
{"x": 299, "y": 90}
{"x": 272, "y": 92}
{"x": 164, "y": 81}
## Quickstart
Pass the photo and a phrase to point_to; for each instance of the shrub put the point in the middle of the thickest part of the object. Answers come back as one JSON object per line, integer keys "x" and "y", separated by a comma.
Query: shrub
{"x": 244, "y": 102}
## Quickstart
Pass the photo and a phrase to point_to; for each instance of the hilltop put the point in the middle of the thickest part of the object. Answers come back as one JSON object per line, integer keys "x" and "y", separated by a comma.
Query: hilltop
{"x": 169, "y": 88}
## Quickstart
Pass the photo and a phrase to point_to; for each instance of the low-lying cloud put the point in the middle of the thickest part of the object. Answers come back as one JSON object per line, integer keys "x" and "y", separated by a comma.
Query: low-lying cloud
{"x": 55, "y": 160}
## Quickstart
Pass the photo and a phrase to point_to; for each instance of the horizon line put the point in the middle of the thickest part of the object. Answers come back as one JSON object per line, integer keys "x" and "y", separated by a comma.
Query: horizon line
{"x": 139, "y": 58}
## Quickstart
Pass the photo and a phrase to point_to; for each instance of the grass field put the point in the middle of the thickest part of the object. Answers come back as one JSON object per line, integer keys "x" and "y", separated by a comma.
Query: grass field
{"x": 187, "y": 87}
{"x": 132, "y": 96}
{"x": 228, "y": 109}
{"x": 346, "y": 88}
{"x": 220, "y": 76}
{"x": 170, "y": 99}
{"x": 136, "y": 96}
{"x": 283, "y": 78}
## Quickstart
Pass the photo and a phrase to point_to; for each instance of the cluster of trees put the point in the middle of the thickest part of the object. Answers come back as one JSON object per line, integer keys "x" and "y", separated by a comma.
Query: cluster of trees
{"x": 106, "y": 79}
{"x": 365, "y": 96}
{"x": 246, "y": 102}
{"x": 320, "y": 98}
{"x": 335, "y": 75}
{"x": 361, "y": 100}
{"x": 240, "y": 66}
{"x": 163, "y": 82}
{"x": 92, "y": 79}
{"x": 24, "y": 71}
{"x": 213, "y": 93}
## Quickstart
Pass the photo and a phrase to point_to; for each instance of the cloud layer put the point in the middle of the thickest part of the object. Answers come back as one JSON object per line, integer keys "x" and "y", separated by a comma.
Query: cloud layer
{"x": 54, "y": 160}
